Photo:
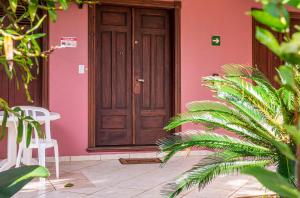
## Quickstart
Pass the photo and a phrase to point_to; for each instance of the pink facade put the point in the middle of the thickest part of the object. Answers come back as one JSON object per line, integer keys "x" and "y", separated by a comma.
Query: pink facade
{"x": 199, "y": 21}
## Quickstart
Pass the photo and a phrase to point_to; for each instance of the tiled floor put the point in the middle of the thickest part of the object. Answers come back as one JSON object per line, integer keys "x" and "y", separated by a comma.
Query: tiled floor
{"x": 110, "y": 179}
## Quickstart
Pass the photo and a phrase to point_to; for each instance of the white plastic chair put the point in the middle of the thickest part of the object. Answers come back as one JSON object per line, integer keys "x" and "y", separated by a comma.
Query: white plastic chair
{"x": 36, "y": 142}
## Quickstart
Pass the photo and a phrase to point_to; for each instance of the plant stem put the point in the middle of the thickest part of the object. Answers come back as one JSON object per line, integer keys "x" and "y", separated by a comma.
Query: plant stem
{"x": 296, "y": 122}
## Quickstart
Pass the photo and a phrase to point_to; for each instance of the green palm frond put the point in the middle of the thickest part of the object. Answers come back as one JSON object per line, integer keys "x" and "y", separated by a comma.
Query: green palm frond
{"x": 255, "y": 94}
{"x": 243, "y": 78}
{"x": 224, "y": 120}
{"x": 202, "y": 139}
{"x": 245, "y": 90}
{"x": 247, "y": 105}
{"x": 225, "y": 109}
{"x": 288, "y": 98}
{"x": 253, "y": 74}
{"x": 209, "y": 168}
{"x": 251, "y": 108}
{"x": 207, "y": 105}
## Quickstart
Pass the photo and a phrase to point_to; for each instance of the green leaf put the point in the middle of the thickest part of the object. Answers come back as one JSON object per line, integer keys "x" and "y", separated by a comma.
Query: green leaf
{"x": 37, "y": 127}
{"x": 277, "y": 10}
{"x": 37, "y": 25}
{"x": 294, "y": 3}
{"x": 273, "y": 181}
{"x": 201, "y": 139}
{"x": 290, "y": 50}
{"x": 286, "y": 75}
{"x": 13, "y": 4}
{"x": 51, "y": 11}
{"x": 6, "y": 69}
{"x": 205, "y": 105}
{"x": 284, "y": 149}
{"x": 294, "y": 132}
{"x": 64, "y": 4}
{"x": 36, "y": 36}
{"x": 32, "y": 9}
{"x": 287, "y": 97}
{"x": 267, "y": 19}
{"x": 268, "y": 39}
{"x": 20, "y": 130}
{"x": 4, "y": 123}
{"x": 29, "y": 134}
{"x": 13, "y": 180}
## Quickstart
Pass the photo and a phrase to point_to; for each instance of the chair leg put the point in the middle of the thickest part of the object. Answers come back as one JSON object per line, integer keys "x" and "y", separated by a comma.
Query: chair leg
{"x": 27, "y": 156}
{"x": 19, "y": 156}
{"x": 56, "y": 155}
{"x": 42, "y": 159}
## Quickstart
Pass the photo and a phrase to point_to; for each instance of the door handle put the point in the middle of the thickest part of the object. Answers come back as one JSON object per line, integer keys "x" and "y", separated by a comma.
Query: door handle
{"x": 140, "y": 80}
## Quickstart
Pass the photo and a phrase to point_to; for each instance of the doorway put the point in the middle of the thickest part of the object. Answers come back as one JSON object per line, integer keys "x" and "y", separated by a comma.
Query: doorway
{"x": 133, "y": 74}
{"x": 134, "y": 92}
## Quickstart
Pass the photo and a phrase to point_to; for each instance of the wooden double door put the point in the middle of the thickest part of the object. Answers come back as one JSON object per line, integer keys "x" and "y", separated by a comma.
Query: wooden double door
{"x": 134, "y": 77}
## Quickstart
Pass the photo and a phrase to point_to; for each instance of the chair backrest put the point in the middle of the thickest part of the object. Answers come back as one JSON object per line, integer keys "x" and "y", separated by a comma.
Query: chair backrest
{"x": 40, "y": 114}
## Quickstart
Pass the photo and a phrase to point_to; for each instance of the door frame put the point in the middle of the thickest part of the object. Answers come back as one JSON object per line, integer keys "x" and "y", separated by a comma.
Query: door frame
{"x": 175, "y": 8}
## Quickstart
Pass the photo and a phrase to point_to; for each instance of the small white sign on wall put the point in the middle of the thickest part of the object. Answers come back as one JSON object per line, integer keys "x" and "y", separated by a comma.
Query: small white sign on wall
{"x": 68, "y": 42}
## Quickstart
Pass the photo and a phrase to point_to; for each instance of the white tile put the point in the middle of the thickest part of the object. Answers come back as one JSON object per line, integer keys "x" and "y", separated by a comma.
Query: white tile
{"x": 109, "y": 179}
{"x": 85, "y": 158}
{"x": 75, "y": 165}
{"x": 113, "y": 192}
{"x": 246, "y": 192}
{"x": 159, "y": 175}
{"x": 155, "y": 192}
{"x": 62, "y": 194}
{"x": 231, "y": 182}
{"x": 123, "y": 174}
{"x": 34, "y": 189}
{"x": 114, "y": 156}
{"x": 187, "y": 153}
{"x": 252, "y": 188}
{"x": 143, "y": 155}
{"x": 61, "y": 159}
{"x": 209, "y": 193}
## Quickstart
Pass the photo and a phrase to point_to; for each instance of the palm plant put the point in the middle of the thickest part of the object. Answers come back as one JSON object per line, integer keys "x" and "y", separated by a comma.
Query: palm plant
{"x": 249, "y": 107}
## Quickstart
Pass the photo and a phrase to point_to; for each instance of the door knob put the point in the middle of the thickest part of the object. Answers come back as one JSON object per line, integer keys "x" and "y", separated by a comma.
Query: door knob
{"x": 140, "y": 80}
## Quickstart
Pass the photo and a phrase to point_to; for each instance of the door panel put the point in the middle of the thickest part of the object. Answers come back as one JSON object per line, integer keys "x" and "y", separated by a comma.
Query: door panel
{"x": 152, "y": 74}
{"x": 113, "y": 76}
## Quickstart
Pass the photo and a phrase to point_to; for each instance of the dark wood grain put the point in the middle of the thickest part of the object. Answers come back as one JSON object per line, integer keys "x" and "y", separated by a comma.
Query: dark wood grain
{"x": 144, "y": 3}
{"x": 144, "y": 97}
{"x": 113, "y": 76}
{"x": 152, "y": 64}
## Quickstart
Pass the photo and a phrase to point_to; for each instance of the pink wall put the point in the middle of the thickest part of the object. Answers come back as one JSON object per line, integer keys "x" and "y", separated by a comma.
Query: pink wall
{"x": 69, "y": 90}
{"x": 200, "y": 21}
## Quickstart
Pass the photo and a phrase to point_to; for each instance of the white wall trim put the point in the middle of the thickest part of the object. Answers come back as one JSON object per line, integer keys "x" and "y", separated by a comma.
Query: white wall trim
{"x": 124, "y": 155}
